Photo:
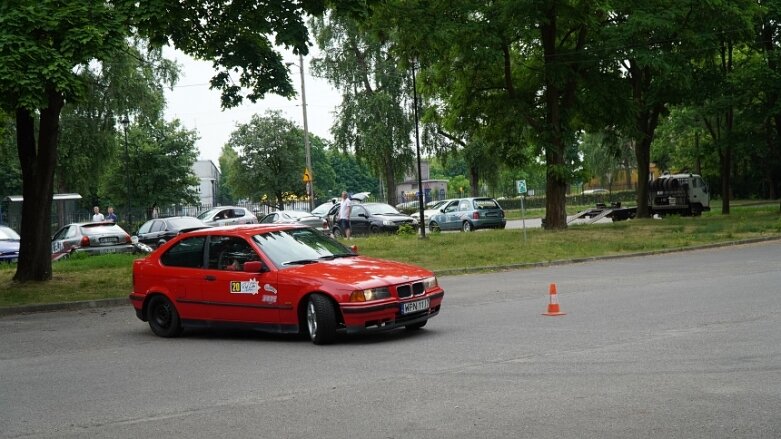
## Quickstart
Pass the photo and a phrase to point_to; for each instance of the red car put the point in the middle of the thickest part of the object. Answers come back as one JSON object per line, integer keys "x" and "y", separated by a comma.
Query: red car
{"x": 280, "y": 278}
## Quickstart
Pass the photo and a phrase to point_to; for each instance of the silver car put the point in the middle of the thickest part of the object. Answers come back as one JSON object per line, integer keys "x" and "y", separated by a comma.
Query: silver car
{"x": 228, "y": 216}
{"x": 468, "y": 214}
{"x": 296, "y": 217}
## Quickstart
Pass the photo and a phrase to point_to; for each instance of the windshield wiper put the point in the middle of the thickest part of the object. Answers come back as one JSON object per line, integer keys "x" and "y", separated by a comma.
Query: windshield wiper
{"x": 332, "y": 257}
{"x": 300, "y": 262}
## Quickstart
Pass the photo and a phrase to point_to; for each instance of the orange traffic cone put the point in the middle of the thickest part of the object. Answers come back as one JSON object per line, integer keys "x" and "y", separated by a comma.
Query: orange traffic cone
{"x": 553, "y": 305}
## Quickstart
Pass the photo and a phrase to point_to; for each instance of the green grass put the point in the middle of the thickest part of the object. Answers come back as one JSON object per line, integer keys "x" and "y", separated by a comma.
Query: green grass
{"x": 109, "y": 276}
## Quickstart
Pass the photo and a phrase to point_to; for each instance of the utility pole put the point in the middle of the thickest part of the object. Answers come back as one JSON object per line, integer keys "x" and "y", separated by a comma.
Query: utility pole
{"x": 310, "y": 186}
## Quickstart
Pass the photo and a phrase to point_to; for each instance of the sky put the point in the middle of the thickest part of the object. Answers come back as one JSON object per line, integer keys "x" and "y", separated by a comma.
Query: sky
{"x": 198, "y": 108}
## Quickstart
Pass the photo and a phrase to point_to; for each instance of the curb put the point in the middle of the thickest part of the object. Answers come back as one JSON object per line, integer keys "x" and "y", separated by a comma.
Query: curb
{"x": 106, "y": 303}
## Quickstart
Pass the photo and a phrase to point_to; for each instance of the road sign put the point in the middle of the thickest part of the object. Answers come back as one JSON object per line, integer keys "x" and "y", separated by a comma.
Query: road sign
{"x": 307, "y": 177}
{"x": 521, "y": 186}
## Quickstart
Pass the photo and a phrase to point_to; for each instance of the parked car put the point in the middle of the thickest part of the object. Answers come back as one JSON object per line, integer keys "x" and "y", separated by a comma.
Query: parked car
{"x": 9, "y": 245}
{"x": 324, "y": 209}
{"x": 92, "y": 238}
{"x": 596, "y": 191}
{"x": 228, "y": 215}
{"x": 281, "y": 278}
{"x": 296, "y": 217}
{"x": 432, "y": 208}
{"x": 372, "y": 218}
{"x": 156, "y": 232}
{"x": 468, "y": 214}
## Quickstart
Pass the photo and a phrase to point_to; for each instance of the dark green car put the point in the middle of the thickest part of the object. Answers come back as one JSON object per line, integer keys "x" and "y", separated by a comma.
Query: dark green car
{"x": 468, "y": 214}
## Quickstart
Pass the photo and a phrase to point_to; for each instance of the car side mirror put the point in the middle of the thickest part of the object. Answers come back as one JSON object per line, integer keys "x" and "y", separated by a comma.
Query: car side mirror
{"x": 255, "y": 267}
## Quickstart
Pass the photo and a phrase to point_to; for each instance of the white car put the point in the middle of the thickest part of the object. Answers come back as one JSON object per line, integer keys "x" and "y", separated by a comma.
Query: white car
{"x": 228, "y": 216}
{"x": 432, "y": 208}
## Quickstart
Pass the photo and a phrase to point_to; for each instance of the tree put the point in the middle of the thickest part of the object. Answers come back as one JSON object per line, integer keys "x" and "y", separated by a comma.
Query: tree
{"x": 159, "y": 167}
{"x": 270, "y": 159}
{"x": 372, "y": 119}
{"x": 44, "y": 45}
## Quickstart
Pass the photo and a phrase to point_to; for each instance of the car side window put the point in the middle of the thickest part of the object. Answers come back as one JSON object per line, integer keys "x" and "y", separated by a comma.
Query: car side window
{"x": 158, "y": 226}
{"x": 465, "y": 205}
{"x": 60, "y": 234}
{"x": 71, "y": 233}
{"x": 230, "y": 253}
{"x": 145, "y": 227}
{"x": 452, "y": 207}
{"x": 185, "y": 253}
{"x": 356, "y": 211}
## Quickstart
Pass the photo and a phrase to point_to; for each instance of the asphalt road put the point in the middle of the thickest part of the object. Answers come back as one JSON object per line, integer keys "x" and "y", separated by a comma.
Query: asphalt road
{"x": 680, "y": 345}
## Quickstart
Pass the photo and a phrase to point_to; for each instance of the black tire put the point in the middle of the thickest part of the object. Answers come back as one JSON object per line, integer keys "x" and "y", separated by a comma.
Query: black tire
{"x": 375, "y": 229}
{"x": 320, "y": 319}
{"x": 467, "y": 227}
{"x": 416, "y": 326}
{"x": 434, "y": 227}
{"x": 163, "y": 317}
{"x": 337, "y": 232}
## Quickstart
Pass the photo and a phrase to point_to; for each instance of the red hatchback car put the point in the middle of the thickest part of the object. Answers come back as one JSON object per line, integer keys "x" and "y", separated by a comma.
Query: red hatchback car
{"x": 279, "y": 278}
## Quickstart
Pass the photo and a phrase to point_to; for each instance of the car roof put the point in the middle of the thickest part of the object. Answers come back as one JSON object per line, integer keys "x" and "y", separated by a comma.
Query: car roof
{"x": 247, "y": 230}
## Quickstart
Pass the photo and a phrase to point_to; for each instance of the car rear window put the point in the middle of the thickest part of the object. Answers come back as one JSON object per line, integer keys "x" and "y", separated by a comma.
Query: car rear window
{"x": 101, "y": 229}
{"x": 486, "y": 203}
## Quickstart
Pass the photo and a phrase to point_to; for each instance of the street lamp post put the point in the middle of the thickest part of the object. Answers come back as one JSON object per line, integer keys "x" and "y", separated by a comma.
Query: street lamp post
{"x": 310, "y": 186}
{"x": 125, "y": 122}
{"x": 422, "y": 222}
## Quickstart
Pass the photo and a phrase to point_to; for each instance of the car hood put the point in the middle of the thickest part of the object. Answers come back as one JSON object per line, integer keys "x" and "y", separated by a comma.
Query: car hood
{"x": 358, "y": 272}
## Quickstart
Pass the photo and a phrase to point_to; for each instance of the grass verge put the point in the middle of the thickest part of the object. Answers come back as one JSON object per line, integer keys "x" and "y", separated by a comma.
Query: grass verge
{"x": 109, "y": 276}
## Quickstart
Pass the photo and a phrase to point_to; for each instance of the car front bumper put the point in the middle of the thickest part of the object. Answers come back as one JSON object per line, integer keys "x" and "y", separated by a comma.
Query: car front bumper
{"x": 387, "y": 316}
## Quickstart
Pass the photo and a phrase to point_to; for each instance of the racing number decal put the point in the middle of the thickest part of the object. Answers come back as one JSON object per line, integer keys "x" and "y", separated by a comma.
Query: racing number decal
{"x": 235, "y": 287}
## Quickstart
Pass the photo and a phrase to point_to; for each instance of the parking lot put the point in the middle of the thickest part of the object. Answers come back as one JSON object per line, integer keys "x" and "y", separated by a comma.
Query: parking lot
{"x": 675, "y": 345}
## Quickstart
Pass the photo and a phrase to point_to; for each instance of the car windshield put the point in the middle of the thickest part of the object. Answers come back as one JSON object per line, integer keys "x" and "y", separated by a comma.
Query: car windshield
{"x": 208, "y": 214}
{"x": 437, "y": 205}
{"x": 8, "y": 234}
{"x": 297, "y": 214}
{"x": 382, "y": 209}
{"x": 299, "y": 246}
{"x": 322, "y": 209}
{"x": 185, "y": 222}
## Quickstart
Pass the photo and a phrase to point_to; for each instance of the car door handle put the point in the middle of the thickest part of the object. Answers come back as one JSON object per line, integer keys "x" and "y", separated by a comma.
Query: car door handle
{"x": 210, "y": 278}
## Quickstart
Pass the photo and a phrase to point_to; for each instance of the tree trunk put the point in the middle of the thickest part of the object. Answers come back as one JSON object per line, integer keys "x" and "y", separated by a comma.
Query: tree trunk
{"x": 555, "y": 182}
{"x": 390, "y": 181}
{"x": 38, "y": 164}
{"x": 474, "y": 181}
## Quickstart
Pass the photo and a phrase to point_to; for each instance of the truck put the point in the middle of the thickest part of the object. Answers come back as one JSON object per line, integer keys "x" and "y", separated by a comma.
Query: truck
{"x": 682, "y": 194}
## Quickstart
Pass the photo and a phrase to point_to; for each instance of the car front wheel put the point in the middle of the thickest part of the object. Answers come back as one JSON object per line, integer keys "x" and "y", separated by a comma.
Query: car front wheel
{"x": 163, "y": 317}
{"x": 337, "y": 232}
{"x": 320, "y": 319}
{"x": 434, "y": 227}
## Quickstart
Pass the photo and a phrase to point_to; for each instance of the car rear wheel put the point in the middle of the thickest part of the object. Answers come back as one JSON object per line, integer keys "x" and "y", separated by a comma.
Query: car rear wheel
{"x": 163, "y": 317}
{"x": 320, "y": 319}
{"x": 434, "y": 227}
{"x": 467, "y": 227}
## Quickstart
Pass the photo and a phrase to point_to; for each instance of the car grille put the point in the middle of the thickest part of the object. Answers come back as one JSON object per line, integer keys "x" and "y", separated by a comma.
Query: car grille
{"x": 409, "y": 290}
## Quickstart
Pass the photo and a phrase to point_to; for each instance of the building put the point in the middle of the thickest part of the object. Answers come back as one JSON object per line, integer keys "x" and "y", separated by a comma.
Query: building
{"x": 209, "y": 177}
{"x": 432, "y": 189}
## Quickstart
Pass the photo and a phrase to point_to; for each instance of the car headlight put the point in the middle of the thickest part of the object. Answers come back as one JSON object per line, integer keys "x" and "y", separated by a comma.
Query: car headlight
{"x": 370, "y": 294}
{"x": 387, "y": 223}
{"x": 430, "y": 282}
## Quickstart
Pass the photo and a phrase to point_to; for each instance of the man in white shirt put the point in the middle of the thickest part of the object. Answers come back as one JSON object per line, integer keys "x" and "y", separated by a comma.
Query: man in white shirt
{"x": 97, "y": 216}
{"x": 344, "y": 214}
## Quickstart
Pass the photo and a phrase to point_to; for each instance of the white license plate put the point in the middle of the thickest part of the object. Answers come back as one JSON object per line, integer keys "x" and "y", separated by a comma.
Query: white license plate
{"x": 416, "y": 306}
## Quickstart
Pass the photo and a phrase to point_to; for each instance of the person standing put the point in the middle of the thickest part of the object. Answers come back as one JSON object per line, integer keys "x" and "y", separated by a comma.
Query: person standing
{"x": 96, "y": 215}
{"x": 111, "y": 216}
{"x": 345, "y": 208}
